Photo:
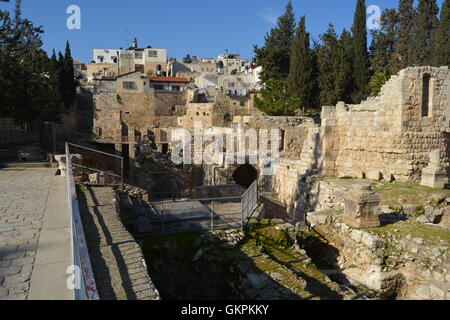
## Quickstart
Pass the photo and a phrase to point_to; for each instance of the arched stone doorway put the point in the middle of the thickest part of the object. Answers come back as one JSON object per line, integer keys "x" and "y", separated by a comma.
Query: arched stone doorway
{"x": 245, "y": 175}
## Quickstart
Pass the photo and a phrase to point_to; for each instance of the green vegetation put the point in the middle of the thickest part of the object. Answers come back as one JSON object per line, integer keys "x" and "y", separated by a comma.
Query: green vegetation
{"x": 334, "y": 64}
{"x": 412, "y": 36}
{"x": 441, "y": 38}
{"x": 33, "y": 86}
{"x": 342, "y": 68}
{"x": 81, "y": 189}
{"x": 302, "y": 75}
{"x": 184, "y": 241}
{"x": 361, "y": 64}
{"x": 275, "y": 55}
{"x": 277, "y": 100}
{"x": 377, "y": 82}
{"x": 264, "y": 250}
{"x": 431, "y": 234}
{"x": 398, "y": 194}
{"x": 427, "y": 22}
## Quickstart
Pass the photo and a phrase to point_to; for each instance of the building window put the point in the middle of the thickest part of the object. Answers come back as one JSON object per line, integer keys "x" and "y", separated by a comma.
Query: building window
{"x": 230, "y": 85}
{"x": 129, "y": 85}
{"x": 426, "y": 97}
{"x": 153, "y": 54}
{"x": 101, "y": 58}
{"x": 158, "y": 87}
{"x": 138, "y": 55}
{"x": 176, "y": 88}
{"x": 126, "y": 56}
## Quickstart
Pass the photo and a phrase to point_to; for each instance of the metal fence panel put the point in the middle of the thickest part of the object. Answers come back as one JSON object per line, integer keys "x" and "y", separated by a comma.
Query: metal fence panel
{"x": 249, "y": 201}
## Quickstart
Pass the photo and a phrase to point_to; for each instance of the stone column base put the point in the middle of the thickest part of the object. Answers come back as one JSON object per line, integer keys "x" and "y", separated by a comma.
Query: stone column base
{"x": 434, "y": 178}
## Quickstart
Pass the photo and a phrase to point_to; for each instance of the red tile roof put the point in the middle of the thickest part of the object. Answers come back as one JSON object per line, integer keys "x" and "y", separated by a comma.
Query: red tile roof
{"x": 169, "y": 79}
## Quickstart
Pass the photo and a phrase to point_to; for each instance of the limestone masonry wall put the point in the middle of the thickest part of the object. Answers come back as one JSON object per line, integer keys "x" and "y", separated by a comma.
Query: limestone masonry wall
{"x": 391, "y": 136}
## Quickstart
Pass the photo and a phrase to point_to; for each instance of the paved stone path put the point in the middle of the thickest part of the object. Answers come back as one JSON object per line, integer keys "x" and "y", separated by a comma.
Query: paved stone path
{"x": 23, "y": 200}
{"x": 117, "y": 260}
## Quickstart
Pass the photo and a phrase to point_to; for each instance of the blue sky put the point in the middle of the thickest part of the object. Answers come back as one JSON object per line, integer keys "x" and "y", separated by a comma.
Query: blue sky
{"x": 199, "y": 27}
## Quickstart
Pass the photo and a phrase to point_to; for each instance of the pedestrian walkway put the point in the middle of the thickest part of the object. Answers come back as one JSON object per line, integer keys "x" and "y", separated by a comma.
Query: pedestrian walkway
{"x": 35, "y": 242}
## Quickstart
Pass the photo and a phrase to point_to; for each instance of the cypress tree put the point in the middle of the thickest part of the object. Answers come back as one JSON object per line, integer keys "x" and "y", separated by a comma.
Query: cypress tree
{"x": 274, "y": 56}
{"x": 328, "y": 58}
{"x": 383, "y": 48}
{"x": 68, "y": 84}
{"x": 301, "y": 77}
{"x": 403, "y": 43}
{"x": 441, "y": 39}
{"x": 344, "y": 79}
{"x": 361, "y": 62}
{"x": 426, "y": 23}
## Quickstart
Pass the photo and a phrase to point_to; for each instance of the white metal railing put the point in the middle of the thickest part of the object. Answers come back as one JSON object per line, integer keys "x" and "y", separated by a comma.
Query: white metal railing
{"x": 85, "y": 287}
{"x": 249, "y": 201}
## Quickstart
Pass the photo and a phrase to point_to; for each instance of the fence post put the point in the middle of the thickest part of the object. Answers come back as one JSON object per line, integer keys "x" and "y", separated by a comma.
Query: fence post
{"x": 121, "y": 169}
{"x": 162, "y": 217}
{"x": 242, "y": 212}
{"x": 212, "y": 216}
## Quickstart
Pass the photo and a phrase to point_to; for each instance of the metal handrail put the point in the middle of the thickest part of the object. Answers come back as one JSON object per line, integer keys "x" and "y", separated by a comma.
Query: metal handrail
{"x": 87, "y": 289}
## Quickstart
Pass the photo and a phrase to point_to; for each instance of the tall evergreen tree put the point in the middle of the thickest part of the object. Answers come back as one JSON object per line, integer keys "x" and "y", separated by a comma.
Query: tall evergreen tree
{"x": 441, "y": 38}
{"x": 405, "y": 33}
{"x": 277, "y": 100}
{"x": 361, "y": 64}
{"x": 426, "y": 23}
{"x": 383, "y": 48}
{"x": 25, "y": 78}
{"x": 274, "y": 56}
{"x": 328, "y": 58}
{"x": 301, "y": 80}
{"x": 68, "y": 84}
{"x": 344, "y": 80}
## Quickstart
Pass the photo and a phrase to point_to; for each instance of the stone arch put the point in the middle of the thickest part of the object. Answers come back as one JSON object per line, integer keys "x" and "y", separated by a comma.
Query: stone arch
{"x": 245, "y": 175}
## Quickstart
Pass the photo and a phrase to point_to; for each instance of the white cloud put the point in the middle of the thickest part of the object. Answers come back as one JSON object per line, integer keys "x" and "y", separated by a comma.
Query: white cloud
{"x": 268, "y": 15}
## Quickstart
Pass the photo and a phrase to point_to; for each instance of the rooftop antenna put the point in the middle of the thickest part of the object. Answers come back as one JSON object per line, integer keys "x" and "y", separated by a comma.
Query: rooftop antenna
{"x": 128, "y": 40}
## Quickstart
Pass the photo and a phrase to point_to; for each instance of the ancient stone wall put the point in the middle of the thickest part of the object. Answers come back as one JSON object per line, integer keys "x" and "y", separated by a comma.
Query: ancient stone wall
{"x": 390, "y": 136}
{"x": 115, "y": 115}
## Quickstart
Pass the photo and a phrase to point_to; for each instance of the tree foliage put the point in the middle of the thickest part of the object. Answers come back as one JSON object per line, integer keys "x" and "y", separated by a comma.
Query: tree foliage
{"x": 377, "y": 82}
{"x": 426, "y": 23}
{"x": 361, "y": 63}
{"x": 277, "y": 100}
{"x": 274, "y": 56}
{"x": 30, "y": 82}
{"x": 441, "y": 38}
{"x": 334, "y": 67}
{"x": 301, "y": 80}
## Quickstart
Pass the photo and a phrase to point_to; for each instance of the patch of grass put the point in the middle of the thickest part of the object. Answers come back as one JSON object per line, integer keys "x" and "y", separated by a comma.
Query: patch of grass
{"x": 432, "y": 234}
{"x": 269, "y": 234}
{"x": 184, "y": 241}
{"x": 397, "y": 194}
{"x": 81, "y": 189}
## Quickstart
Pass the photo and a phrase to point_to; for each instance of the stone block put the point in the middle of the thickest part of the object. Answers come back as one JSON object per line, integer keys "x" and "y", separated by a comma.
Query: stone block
{"x": 361, "y": 207}
{"x": 434, "y": 178}
{"x": 373, "y": 175}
